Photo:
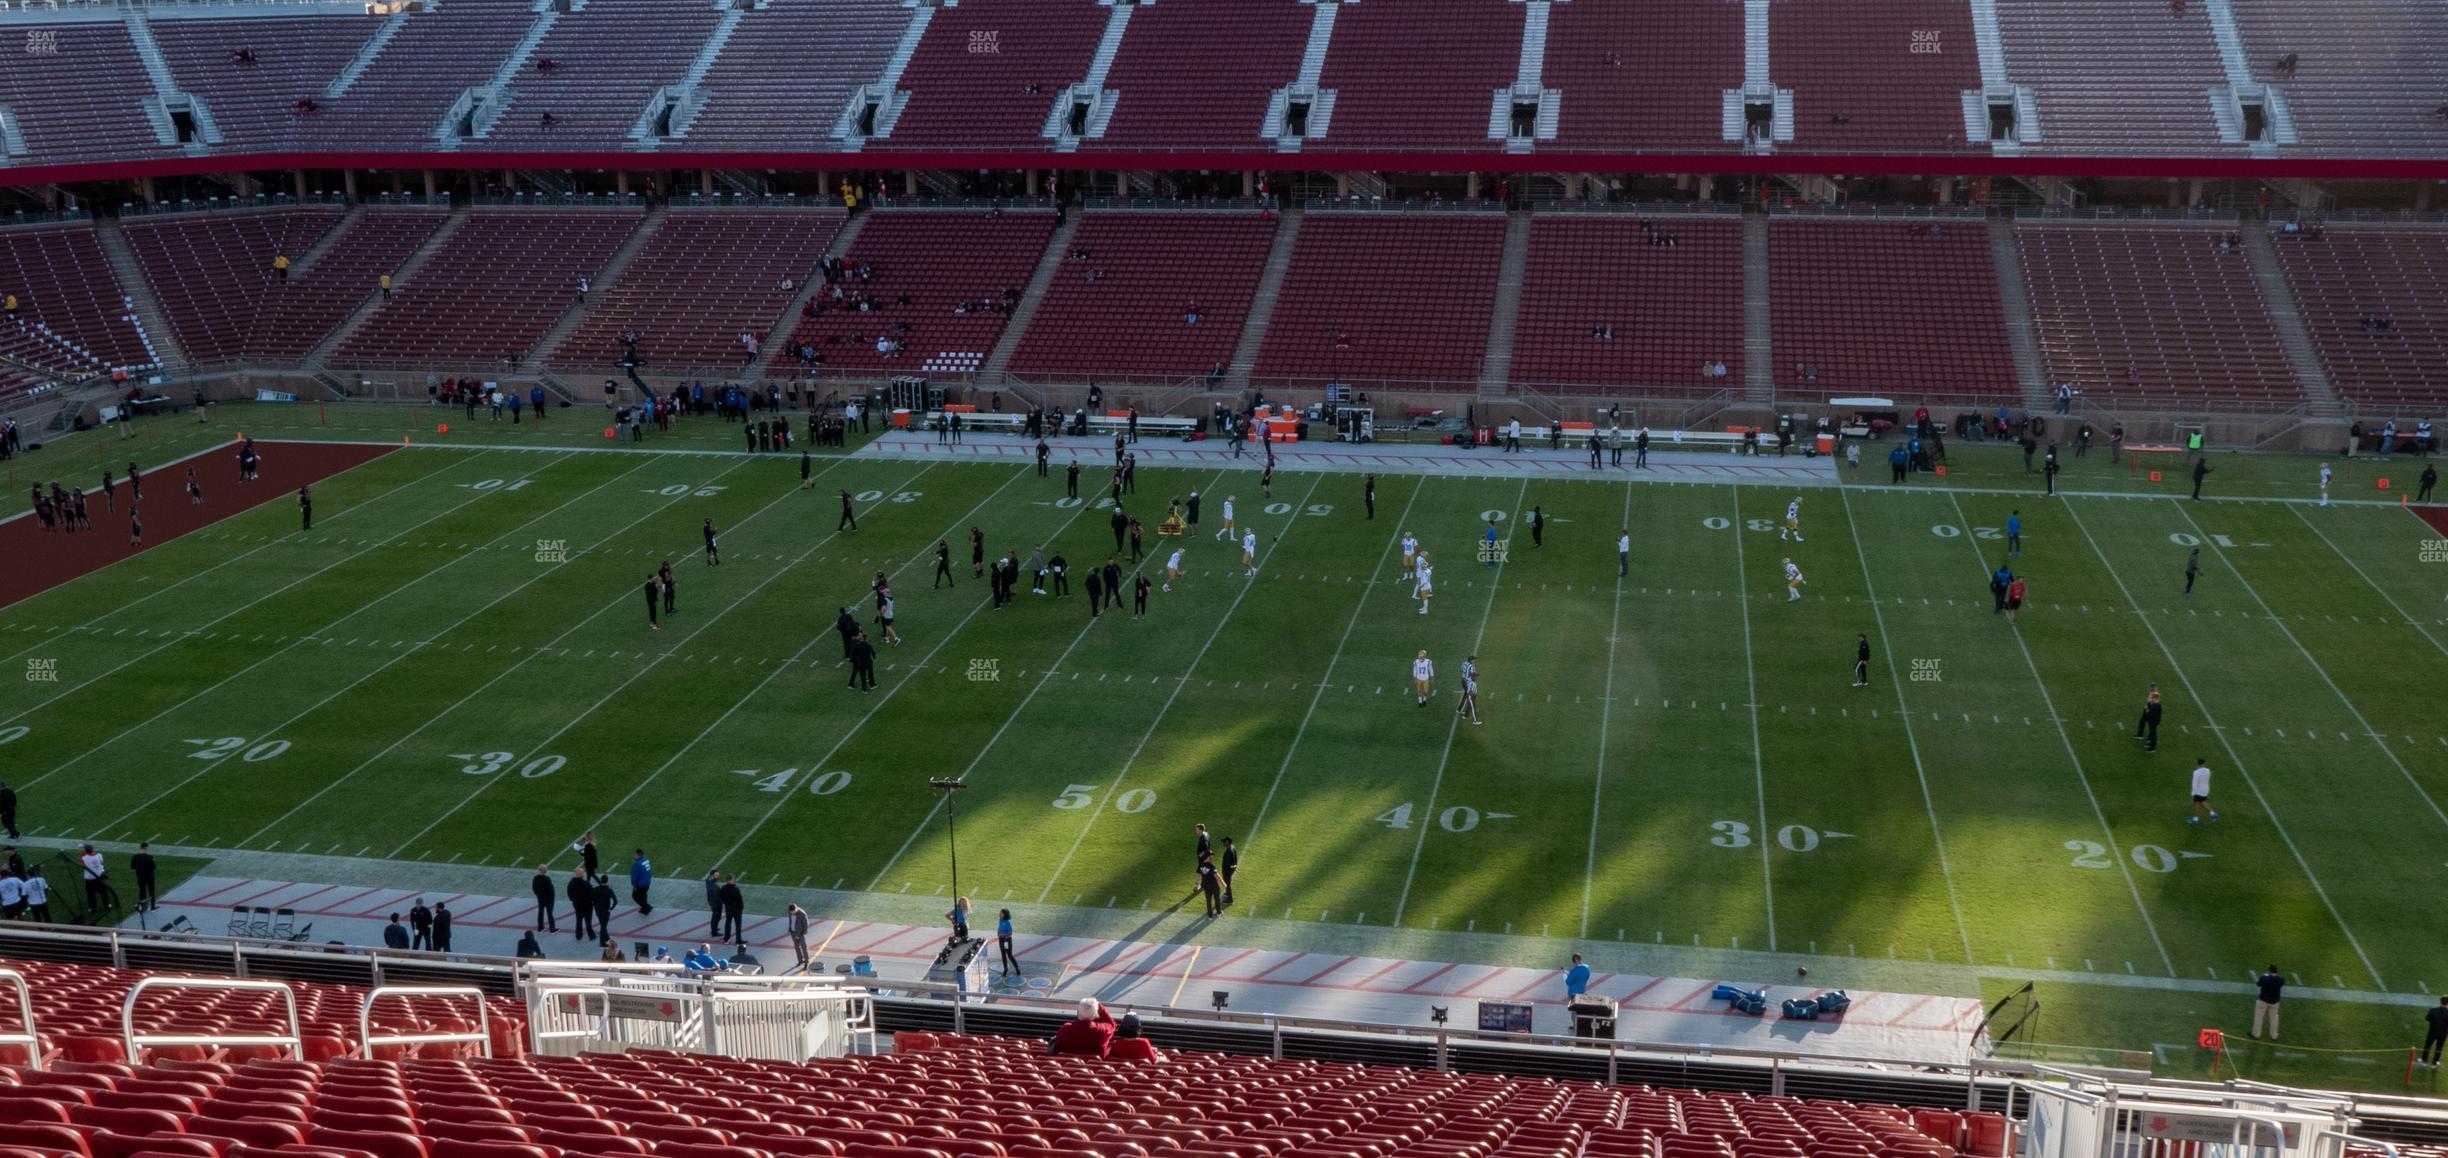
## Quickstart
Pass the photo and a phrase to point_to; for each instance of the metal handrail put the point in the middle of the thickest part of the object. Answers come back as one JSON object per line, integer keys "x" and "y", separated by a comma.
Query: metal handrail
{"x": 2345, "y": 1139}
{"x": 32, "y": 1037}
{"x": 367, "y": 1039}
{"x": 135, "y": 1041}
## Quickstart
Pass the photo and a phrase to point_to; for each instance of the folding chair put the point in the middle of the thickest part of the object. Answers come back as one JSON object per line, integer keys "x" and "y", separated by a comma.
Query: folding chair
{"x": 284, "y": 922}
{"x": 238, "y": 921}
{"x": 261, "y": 925}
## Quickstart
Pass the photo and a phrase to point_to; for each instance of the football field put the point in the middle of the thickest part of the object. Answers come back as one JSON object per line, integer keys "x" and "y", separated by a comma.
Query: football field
{"x": 454, "y": 667}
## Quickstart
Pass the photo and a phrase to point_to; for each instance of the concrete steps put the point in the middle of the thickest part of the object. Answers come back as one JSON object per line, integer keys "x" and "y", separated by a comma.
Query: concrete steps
{"x": 1262, "y": 302}
{"x": 2014, "y": 295}
{"x": 320, "y": 354}
{"x": 1496, "y": 365}
{"x": 152, "y": 325}
{"x": 602, "y": 280}
{"x": 1759, "y": 347}
{"x": 2293, "y": 336}
{"x": 810, "y": 284}
{"x": 1025, "y": 310}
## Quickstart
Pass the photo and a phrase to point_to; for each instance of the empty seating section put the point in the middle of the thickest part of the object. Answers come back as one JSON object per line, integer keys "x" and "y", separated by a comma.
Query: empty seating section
{"x": 1178, "y": 87}
{"x": 212, "y": 272}
{"x": 351, "y": 270}
{"x": 254, "y": 102}
{"x": 936, "y": 260}
{"x": 1385, "y": 297}
{"x": 1875, "y": 76}
{"x": 2352, "y": 277}
{"x": 400, "y": 99}
{"x": 1642, "y": 78}
{"x": 1421, "y": 74}
{"x": 76, "y": 92}
{"x": 606, "y": 61}
{"x": 970, "y": 80}
{"x": 2369, "y": 73}
{"x": 72, "y": 318}
{"x": 1671, "y": 308}
{"x": 1879, "y": 307}
{"x": 702, "y": 279}
{"x": 788, "y": 70}
{"x": 2152, "y": 312}
{"x": 78, "y": 1009}
{"x": 2115, "y": 75}
{"x": 494, "y": 287}
{"x": 1133, "y": 318}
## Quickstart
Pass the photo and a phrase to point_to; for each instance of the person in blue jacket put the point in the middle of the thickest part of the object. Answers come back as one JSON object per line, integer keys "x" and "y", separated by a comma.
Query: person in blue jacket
{"x": 641, "y": 881}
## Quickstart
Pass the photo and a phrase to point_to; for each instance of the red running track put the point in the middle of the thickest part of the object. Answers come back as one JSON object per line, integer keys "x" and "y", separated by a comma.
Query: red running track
{"x": 39, "y": 561}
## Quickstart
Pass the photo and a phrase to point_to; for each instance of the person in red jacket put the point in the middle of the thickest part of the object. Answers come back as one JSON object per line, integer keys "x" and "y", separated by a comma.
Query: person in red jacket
{"x": 1129, "y": 1046}
{"x": 1090, "y": 1035}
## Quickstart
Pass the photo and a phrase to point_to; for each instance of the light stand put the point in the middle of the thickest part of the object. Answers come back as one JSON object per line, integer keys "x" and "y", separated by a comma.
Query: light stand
{"x": 951, "y": 790}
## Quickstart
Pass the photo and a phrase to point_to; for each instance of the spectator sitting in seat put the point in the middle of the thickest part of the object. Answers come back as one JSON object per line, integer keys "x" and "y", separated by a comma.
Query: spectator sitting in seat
{"x": 547, "y": 120}
{"x": 1190, "y": 316}
{"x": 2286, "y": 65}
{"x": 1129, "y": 1046}
{"x": 1089, "y": 1035}
{"x": 243, "y": 56}
{"x": 702, "y": 960}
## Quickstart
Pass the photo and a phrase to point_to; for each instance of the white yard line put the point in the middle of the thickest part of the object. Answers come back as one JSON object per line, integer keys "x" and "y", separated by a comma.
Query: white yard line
{"x": 1606, "y": 713}
{"x": 473, "y": 693}
{"x": 2399, "y": 608}
{"x": 1759, "y": 767}
{"x": 1293, "y": 520}
{"x": 404, "y": 656}
{"x": 1327, "y": 680}
{"x": 2220, "y": 553}
{"x": 2065, "y": 738}
{"x": 120, "y": 610}
{"x": 1046, "y": 677}
{"x": 2073, "y": 513}
{"x": 1419, "y": 844}
{"x": 818, "y": 767}
{"x": 652, "y": 664}
{"x": 1912, "y": 742}
{"x": 251, "y": 603}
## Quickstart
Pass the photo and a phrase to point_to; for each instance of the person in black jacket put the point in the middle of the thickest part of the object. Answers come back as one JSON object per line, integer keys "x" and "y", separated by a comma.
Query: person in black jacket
{"x": 847, "y": 625}
{"x": 581, "y": 893}
{"x": 441, "y": 927}
{"x": 544, "y": 894}
{"x": 2435, "y": 1032}
{"x": 603, "y": 909}
{"x": 142, "y": 865}
{"x": 395, "y": 935}
{"x": 587, "y": 853}
{"x": 8, "y": 809}
{"x": 420, "y": 925}
{"x": 1113, "y": 583}
{"x": 733, "y": 905}
{"x": 862, "y": 663}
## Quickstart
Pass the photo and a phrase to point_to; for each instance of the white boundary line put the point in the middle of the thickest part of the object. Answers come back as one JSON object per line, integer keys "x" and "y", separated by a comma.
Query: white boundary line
{"x": 181, "y": 636}
{"x": 1759, "y": 767}
{"x": 1045, "y": 677}
{"x": 1453, "y": 726}
{"x": 2049, "y": 703}
{"x": 479, "y": 689}
{"x": 652, "y": 664}
{"x": 274, "y": 732}
{"x": 164, "y": 589}
{"x": 2276, "y": 825}
{"x": 1912, "y": 742}
{"x": 2220, "y": 553}
{"x": 1327, "y": 679}
{"x": 1606, "y": 711}
{"x": 817, "y": 768}
{"x": 1247, "y": 585}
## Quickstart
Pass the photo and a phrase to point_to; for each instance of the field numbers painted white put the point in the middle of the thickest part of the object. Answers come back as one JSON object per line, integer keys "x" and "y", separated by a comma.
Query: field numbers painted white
{"x": 228, "y": 746}
{"x": 1493, "y": 516}
{"x": 1798, "y": 837}
{"x": 1136, "y": 800}
{"x": 1279, "y": 508}
{"x": 12, "y": 735}
{"x": 1716, "y": 522}
{"x": 2183, "y": 539}
{"x": 1792, "y": 837}
{"x": 1398, "y": 816}
{"x": 2150, "y": 858}
{"x": 1459, "y": 818}
{"x": 1321, "y": 509}
{"x": 1759, "y": 524}
{"x": 1069, "y": 503}
{"x": 897, "y": 496}
{"x": 1946, "y": 530}
{"x": 828, "y": 783}
{"x": 1076, "y": 796}
{"x": 1731, "y": 834}
{"x": 489, "y": 763}
{"x": 494, "y": 484}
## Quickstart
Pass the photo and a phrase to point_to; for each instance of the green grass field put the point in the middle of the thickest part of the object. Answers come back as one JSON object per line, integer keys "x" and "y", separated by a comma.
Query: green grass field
{"x": 1675, "y": 760}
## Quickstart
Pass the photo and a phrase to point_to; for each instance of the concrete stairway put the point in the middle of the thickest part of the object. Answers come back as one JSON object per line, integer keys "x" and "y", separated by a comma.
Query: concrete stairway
{"x": 1025, "y": 311}
{"x": 1759, "y": 353}
{"x": 152, "y": 325}
{"x": 2031, "y": 373}
{"x": 1496, "y": 365}
{"x": 602, "y": 280}
{"x": 1262, "y": 302}
{"x": 2293, "y": 335}
{"x": 315, "y": 250}
{"x": 366, "y": 56}
{"x": 810, "y": 284}
{"x": 401, "y": 278}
